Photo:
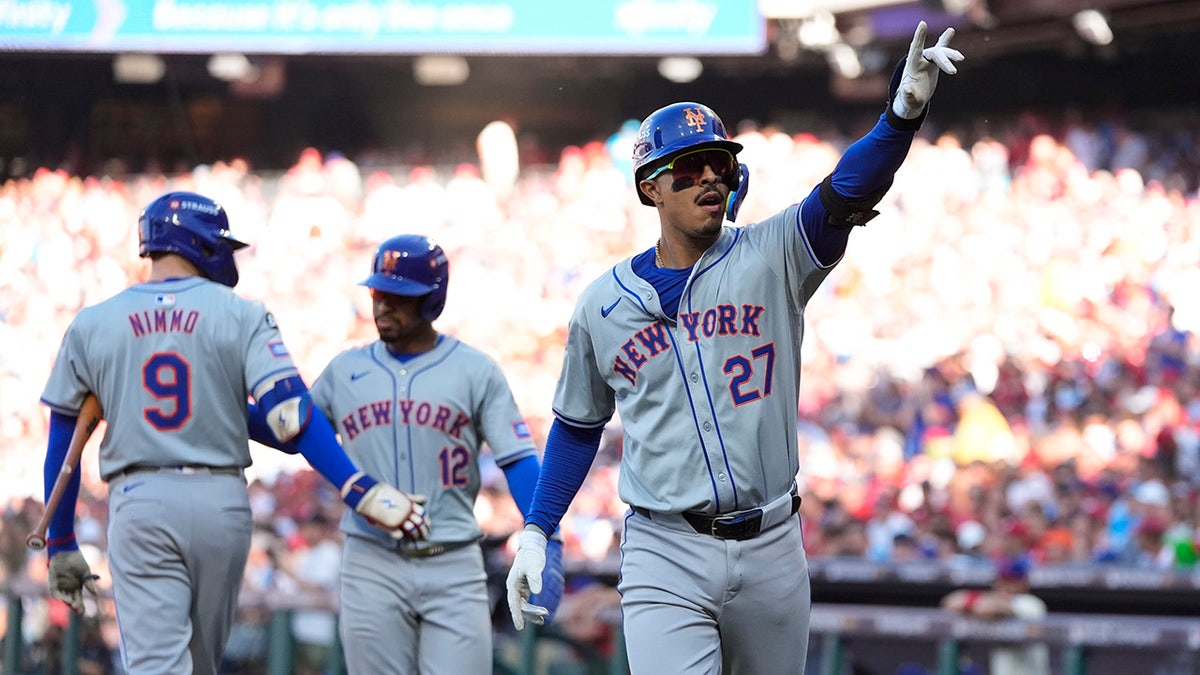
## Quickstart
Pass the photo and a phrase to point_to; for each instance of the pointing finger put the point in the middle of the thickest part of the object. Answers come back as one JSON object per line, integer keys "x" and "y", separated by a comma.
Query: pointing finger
{"x": 918, "y": 43}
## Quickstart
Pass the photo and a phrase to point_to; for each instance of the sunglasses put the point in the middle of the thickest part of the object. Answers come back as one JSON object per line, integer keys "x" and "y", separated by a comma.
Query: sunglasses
{"x": 390, "y": 298}
{"x": 689, "y": 167}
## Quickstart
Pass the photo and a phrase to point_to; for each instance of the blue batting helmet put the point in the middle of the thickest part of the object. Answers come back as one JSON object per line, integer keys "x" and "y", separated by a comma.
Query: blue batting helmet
{"x": 195, "y": 227}
{"x": 414, "y": 266}
{"x": 673, "y": 128}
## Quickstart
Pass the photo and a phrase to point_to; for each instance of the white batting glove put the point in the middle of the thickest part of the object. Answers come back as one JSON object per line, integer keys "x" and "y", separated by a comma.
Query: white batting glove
{"x": 921, "y": 72}
{"x": 525, "y": 578}
{"x": 69, "y": 576}
{"x": 400, "y": 514}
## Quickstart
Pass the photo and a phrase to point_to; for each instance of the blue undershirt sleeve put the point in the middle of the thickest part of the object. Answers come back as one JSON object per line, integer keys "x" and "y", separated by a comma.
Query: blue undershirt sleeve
{"x": 319, "y": 445}
{"x": 60, "y": 534}
{"x": 865, "y": 167}
{"x": 569, "y": 454}
{"x": 522, "y": 477}
{"x": 828, "y": 242}
{"x": 871, "y": 161}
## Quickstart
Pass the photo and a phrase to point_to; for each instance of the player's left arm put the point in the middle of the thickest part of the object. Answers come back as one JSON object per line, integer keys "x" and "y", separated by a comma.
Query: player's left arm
{"x": 281, "y": 416}
{"x": 260, "y": 431}
{"x": 864, "y": 173}
{"x": 60, "y": 534}
{"x": 291, "y": 417}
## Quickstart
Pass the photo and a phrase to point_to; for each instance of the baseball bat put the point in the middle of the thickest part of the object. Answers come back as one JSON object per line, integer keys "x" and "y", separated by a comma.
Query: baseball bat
{"x": 89, "y": 416}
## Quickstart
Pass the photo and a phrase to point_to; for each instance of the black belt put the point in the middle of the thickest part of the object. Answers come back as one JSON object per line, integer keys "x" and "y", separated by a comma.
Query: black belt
{"x": 185, "y": 469}
{"x": 737, "y": 526}
{"x": 434, "y": 549}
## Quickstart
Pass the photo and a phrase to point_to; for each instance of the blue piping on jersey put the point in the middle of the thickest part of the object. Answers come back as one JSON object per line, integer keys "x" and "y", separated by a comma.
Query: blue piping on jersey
{"x": 637, "y": 298}
{"x": 63, "y": 410}
{"x": 691, "y": 403}
{"x": 578, "y": 422}
{"x": 412, "y": 470}
{"x": 737, "y": 235}
{"x": 696, "y": 421}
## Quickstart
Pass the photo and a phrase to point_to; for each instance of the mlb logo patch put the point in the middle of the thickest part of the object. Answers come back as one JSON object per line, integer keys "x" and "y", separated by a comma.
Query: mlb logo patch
{"x": 167, "y": 300}
{"x": 278, "y": 349}
{"x": 521, "y": 429}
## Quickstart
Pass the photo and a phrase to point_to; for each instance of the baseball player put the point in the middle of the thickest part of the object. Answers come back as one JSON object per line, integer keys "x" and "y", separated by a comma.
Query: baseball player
{"x": 173, "y": 362}
{"x": 696, "y": 342}
{"x": 418, "y": 406}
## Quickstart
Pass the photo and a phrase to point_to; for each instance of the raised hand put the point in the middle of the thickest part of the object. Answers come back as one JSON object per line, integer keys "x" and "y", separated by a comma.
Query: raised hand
{"x": 921, "y": 70}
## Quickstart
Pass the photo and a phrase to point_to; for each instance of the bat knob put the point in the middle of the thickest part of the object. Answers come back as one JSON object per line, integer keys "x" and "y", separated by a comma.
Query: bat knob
{"x": 35, "y": 542}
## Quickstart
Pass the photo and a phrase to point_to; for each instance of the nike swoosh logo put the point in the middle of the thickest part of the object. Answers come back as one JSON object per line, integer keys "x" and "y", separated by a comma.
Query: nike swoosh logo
{"x": 355, "y": 376}
{"x": 605, "y": 311}
{"x": 132, "y": 486}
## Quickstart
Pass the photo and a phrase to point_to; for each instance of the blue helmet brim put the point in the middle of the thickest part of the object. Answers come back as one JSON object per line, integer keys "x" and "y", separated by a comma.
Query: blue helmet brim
{"x": 396, "y": 285}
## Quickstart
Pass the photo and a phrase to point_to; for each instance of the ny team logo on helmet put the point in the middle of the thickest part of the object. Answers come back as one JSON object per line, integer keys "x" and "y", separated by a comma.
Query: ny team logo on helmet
{"x": 195, "y": 227}
{"x": 414, "y": 266}
{"x": 673, "y": 129}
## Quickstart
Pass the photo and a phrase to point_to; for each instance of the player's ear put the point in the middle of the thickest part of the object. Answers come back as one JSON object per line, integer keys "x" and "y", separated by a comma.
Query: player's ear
{"x": 650, "y": 189}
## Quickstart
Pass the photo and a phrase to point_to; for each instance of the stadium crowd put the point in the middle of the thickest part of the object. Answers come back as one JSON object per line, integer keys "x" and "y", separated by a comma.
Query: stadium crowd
{"x": 1005, "y": 363}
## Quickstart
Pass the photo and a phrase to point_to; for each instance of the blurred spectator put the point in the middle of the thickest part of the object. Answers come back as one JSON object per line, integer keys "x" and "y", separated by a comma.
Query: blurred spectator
{"x": 591, "y": 615}
{"x": 1008, "y": 598}
{"x": 310, "y": 573}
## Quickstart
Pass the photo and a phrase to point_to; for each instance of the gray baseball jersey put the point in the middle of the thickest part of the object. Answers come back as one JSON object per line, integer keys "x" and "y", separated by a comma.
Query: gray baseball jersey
{"x": 711, "y": 442}
{"x": 421, "y": 425}
{"x": 172, "y": 363}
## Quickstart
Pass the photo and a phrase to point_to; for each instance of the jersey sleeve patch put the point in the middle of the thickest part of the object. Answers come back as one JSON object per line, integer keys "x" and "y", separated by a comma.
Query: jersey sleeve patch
{"x": 521, "y": 429}
{"x": 277, "y": 348}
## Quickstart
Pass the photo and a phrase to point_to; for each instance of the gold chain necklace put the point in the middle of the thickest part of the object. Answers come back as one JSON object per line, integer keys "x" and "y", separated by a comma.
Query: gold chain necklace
{"x": 658, "y": 254}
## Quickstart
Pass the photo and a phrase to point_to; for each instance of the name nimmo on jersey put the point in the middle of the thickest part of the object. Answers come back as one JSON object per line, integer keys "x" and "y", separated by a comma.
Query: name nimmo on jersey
{"x": 163, "y": 321}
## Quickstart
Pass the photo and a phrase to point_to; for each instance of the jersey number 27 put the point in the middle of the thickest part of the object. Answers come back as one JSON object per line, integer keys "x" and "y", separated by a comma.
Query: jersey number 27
{"x": 741, "y": 370}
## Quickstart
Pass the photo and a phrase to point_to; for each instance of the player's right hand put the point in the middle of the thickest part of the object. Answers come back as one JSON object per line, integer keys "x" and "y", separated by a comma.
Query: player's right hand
{"x": 399, "y": 514}
{"x": 525, "y": 578}
{"x": 69, "y": 576}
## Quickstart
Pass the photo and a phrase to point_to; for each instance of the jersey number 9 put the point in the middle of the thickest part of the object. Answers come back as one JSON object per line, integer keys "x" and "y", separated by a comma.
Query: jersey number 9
{"x": 166, "y": 376}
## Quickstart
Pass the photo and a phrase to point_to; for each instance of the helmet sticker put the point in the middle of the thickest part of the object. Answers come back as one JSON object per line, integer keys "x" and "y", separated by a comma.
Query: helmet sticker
{"x": 695, "y": 118}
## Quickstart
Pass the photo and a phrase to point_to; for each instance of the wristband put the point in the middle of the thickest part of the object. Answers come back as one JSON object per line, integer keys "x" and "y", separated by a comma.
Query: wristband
{"x": 356, "y": 488}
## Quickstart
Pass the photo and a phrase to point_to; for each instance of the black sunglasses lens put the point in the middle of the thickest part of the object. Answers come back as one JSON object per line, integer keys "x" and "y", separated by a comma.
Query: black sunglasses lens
{"x": 721, "y": 163}
{"x": 692, "y": 166}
